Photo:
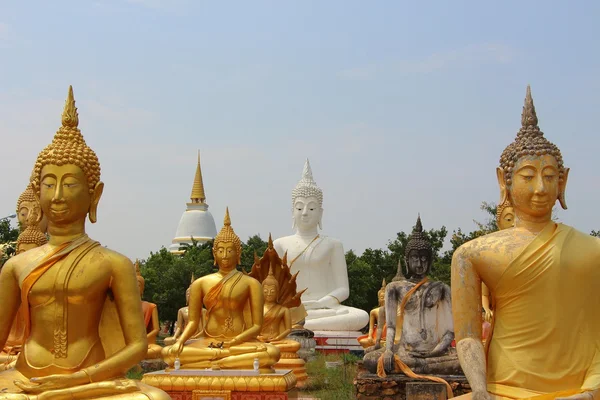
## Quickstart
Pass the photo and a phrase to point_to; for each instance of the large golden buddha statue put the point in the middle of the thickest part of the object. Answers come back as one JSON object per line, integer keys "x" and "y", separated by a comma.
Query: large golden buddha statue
{"x": 234, "y": 315}
{"x": 150, "y": 314}
{"x": 545, "y": 340}
{"x": 65, "y": 285}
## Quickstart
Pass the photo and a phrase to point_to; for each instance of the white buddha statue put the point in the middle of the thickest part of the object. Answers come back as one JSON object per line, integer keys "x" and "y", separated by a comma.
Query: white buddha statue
{"x": 321, "y": 263}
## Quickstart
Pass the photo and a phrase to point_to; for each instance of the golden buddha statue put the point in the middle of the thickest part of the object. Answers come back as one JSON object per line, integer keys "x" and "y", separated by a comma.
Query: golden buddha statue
{"x": 376, "y": 322}
{"x": 505, "y": 218}
{"x": 545, "y": 339}
{"x": 279, "y": 289}
{"x": 182, "y": 318}
{"x": 26, "y": 203}
{"x": 65, "y": 285}
{"x": 234, "y": 315}
{"x": 30, "y": 237}
{"x": 150, "y": 313}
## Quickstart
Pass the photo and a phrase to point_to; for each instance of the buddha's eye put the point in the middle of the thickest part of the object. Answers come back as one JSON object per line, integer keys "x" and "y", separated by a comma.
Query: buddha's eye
{"x": 549, "y": 177}
{"x": 527, "y": 178}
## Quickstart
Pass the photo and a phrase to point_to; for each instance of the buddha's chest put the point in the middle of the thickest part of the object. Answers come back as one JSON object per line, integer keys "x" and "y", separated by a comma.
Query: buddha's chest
{"x": 314, "y": 255}
{"x": 80, "y": 284}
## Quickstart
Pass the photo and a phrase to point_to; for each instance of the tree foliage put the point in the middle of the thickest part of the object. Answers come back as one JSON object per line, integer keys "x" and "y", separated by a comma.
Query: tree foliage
{"x": 8, "y": 237}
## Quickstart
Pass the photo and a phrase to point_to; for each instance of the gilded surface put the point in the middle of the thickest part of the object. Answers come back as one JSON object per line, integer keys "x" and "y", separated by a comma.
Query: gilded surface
{"x": 545, "y": 338}
{"x": 65, "y": 284}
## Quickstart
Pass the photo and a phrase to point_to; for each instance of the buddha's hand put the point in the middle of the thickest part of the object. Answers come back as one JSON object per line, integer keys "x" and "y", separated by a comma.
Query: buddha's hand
{"x": 53, "y": 382}
{"x": 489, "y": 314}
{"x": 176, "y": 349}
{"x": 481, "y": 395}
{"x": 419, "y": 354}
{"x": 388, "y": 361}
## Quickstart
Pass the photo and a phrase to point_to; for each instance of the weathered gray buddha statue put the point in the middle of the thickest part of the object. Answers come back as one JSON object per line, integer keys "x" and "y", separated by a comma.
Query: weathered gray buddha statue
{"x": 418, "y": 317}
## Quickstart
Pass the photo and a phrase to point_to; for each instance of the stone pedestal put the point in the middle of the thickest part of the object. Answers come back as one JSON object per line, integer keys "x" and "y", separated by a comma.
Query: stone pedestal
{"x": 192, "y": 384}
{"x": 338, "y": 341}
{"x": 400, "y": 387}
{"x": 307, "y": 343}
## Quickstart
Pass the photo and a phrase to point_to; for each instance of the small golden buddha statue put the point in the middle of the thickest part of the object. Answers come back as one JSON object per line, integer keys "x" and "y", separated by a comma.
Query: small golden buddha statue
{"x": 182, "y": 318}
{"x": 545, "y": 338}
{"x": 150, "y": 313}
{"x": 64, "y": 286}
{"x": 376, "y": 320}
{"x": 505, "y": 218}
{"x": 29, "y": 238}
{"x": 28, "y": 202}
{"x": 229, "y": 334}
{"x": 279, "y": 288}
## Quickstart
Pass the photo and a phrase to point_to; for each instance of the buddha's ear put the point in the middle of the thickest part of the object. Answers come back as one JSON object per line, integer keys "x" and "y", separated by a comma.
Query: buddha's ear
{"x": 562, "y": 187}
{"x": 36, "y": 192}
{"x": 95, "y": 199}
{"x": 502, "y": 185}
{"x": 293, "y": 222}
{"x": 214, "y": 256}
{"x": 321, "y": 218}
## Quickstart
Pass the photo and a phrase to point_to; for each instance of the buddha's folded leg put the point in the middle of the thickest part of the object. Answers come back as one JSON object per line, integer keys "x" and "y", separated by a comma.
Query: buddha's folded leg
{"x": 154, "y": 351}
{"x": 287, "y": 346}
{"x": 192, "y": 354}
{"x": 267, "y": 357}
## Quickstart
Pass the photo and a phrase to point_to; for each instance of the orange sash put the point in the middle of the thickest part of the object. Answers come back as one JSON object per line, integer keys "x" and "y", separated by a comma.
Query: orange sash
{"x": 148, "y": 309}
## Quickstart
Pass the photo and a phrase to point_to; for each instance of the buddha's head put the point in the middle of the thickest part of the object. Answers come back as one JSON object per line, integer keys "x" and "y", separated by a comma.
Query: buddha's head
{"x": 270, "y": 287}
{"x": 307, "y": 202}
{"x": 227, "y": 247}
{"x": 31, "y": 237}
{"x": 66, "y": 175}
{"x": 505, "y": 216}
{"x": 532, "y": 175}
{"x": 381, "y": 294}
{"x": 418, "y": 254}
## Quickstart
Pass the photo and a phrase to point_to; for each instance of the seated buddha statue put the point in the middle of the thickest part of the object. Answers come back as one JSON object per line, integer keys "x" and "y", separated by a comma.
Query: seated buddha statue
{"x": 234, "y": 315}
{"x": 321, "y": 262}
{"x": 150, "y": 313}
{"x": 279, "y": 289}
{"x": 182, "y": 318}
{"x": 30, "y": 237}
{"x": 418, "y": 316}
{"x": 505, "y": 218}
{"x": 545, "y": 339}
{"x": 376, "y": 321}
{"x": 64, "y": 286}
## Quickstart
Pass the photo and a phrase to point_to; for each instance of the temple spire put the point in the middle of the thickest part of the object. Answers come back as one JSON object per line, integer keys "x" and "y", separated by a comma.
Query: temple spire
{"x": 198, "y": 195}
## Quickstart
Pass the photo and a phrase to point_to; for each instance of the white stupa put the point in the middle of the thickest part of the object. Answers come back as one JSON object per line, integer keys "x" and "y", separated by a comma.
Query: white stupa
{"x": 196, "y": 222}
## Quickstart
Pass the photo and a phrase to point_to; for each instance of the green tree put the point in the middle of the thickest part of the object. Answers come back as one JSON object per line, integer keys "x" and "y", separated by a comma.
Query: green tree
{"x": 595, "y": 233}
{"x": 254, "y": 244}
{"x": 8, "y": 237}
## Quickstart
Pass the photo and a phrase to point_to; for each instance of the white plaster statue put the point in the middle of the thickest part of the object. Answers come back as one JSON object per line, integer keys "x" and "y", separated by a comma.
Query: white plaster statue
{"x": 321, "y": 263}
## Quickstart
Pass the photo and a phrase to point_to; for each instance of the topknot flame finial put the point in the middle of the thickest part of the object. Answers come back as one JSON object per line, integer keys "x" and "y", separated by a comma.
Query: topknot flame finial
{"x": 227, "y": 219}
{"x": 529, "y": 117}
{"x": 419, "y": 225}
{"x": 70, "y": 118}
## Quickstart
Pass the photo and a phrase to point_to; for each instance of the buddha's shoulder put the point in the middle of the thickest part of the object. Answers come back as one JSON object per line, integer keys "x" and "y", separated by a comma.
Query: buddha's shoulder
{"x": 486, "y": 241}
{"x": 26, "y": 258}
{"x": 585, "y": 240}
{"x": 104, "y": 255}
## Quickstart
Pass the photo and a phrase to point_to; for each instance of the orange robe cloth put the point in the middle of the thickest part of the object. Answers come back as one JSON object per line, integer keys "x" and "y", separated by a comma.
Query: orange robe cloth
{"x": 546, "y": 333}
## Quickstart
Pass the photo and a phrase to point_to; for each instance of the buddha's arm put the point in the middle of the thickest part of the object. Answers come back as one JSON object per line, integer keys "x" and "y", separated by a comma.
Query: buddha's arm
{"x": 392, "y": 296}
{"x": 380, "y": 325}
{"x": 340, "y": 286}
{"x": 10, "y": 297}
{"x": 128, "y": 303}
{"x": 256, "y": 299}
{"x": 155, "y": 326}
{"x": 287, "y": 325}
{"x": 372, "y": 319}
{"x": 466, "y": 310}
{"x": 485, "y": 302}
{"x": 179, "y": 324}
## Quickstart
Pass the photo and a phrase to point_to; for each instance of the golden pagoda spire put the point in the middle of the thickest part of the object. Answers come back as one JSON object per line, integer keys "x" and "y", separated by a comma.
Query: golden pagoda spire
{"x": 198, "y": 195}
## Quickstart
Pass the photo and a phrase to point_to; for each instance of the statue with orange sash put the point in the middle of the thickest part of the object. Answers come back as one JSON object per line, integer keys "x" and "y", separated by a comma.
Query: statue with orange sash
{"x": 234, "y": 316}
{"x": 376, "y": 322}
{"x": 182, "y": 318}
{"x": 67, "y": 287}
{"x": 150, "y": 313}
{"x": 279, "y": 289}
{"x": 419, "y": 321}
{"x": 545, "y": 339}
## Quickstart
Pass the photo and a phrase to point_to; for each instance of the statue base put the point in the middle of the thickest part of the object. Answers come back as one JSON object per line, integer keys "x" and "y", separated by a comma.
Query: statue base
{"x": 296, "y": 364}
{"x": 338, "y": 341}
{"x": 307, "y": 343}
{"x": 193, "y": 384}
{"x": 369, "y": 386}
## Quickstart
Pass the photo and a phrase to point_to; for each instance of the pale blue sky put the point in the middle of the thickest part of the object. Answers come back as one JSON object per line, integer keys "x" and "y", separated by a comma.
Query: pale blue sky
{"x": 401, "y": 107}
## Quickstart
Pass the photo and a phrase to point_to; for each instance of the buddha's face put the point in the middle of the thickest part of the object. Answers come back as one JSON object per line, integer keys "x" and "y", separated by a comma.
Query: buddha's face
{"x": 23, "y": 213}
{"x": 270, "y": 292}
{"x": 381, "y": 298}
{"x": 307, "y": 212}
{"x": 226, "y": 255}
{"x": 419, "y": 262}
{"x": 64, "y": 194}
{"x": 535, "y": 187}
{"x": 507, "y": 218}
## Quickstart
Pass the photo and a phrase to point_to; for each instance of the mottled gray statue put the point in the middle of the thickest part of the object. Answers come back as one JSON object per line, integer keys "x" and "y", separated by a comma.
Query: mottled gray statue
{"x": 423, "y": 341}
